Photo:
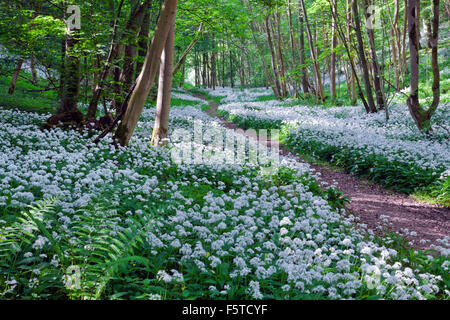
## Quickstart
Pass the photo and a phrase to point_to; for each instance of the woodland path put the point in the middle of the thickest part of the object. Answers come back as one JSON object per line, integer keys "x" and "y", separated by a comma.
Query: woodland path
{"x": 370, "y": 201}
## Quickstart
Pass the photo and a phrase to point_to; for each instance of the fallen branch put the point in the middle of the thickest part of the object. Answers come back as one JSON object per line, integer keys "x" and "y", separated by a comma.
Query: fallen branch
{"x": 189, "y": 48}
{"x": 395, "y": 88}
{"x": 123, "y": 109}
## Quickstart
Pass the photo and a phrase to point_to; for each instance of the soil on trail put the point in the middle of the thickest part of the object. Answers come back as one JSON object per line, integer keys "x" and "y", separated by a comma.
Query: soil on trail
{"x": 370, "y": 201}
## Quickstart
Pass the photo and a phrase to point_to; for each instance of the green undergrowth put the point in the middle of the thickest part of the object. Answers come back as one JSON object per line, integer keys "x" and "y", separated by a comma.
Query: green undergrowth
{"x": 27, "y": 96}
{"x": 110, "y": 251}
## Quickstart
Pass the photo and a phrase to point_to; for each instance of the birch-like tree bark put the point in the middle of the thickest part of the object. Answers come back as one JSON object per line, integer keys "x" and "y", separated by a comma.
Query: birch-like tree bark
{"x": 161, "y": 127}
{"x": 147, "y": 76}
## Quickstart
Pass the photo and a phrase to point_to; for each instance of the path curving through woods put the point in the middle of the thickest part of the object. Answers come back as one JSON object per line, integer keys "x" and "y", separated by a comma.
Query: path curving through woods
{"x": 370, "y": 201}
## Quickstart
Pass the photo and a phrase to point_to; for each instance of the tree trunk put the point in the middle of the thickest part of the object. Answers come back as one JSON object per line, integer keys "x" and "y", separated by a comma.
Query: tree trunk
{"x": 362, "y": 58}
{"x": 33, "y": 70}
{"x": 92, "y": 109}
{"x": 333, "y": 60}
{"x": 350, "y": 39}
{"x": 405, "y": 31}
{"x": 282, "y": 69}
{"x": 72, "y": 76}
{"x": 293, "y": 45}
{"x": 15, "y": 76}
{"x": 147, "y": 76}
{"x": 319, "y": 86}
{"x": 260, "y": 49}
{"x": 188, "y": 49}
{"x": 413, "y": 101}
{"x": 213, "y": 69}
{"x": 131, "y": 32}
{"x": 68, "y": 113}
{"x": 349, "y": 55}
{"x": 434, "y": 57}
{"x": 273, "y": 58}
{"x": 231, "y": 70}
{"x": 421, "y": 116}
{"x": 143, "y": 41}
{"x": 161, "y": 126}
{"x": 303, "y": 72}
{"x": 379, "y": 94}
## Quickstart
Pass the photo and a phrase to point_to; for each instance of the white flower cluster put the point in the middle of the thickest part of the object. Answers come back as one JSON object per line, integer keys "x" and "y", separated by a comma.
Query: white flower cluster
{"x": 259, "y": 231}
{"x": 350, "y": 127}
{"x": 241, "y": 95}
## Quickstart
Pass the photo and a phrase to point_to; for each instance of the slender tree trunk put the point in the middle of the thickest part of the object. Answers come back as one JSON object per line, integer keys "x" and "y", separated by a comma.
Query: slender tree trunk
{"x": 273, "y": 58}
{"x": 161, "y": 126}
{"x": 72, "y": 73}
{"x": 183, "y": 76}
{"x": 416, "y": 111}
{"x": 196, "y": 76}
{"x": 205, "y": 70}
{"x": 349, "y": 55}
{"x": 213, "y": 67}
{"x": 293, "y": 46}
{"x": 92, "y": 109}
{"x": 231, "y": 70}
{"x": 131, "y": 32}
{"x": 396, "y": 47}
{"x": 143, "y": 41}
{"x": 68, "y": 113}
{"x": 147, "y": 76}
{"x": 188, "y": 49}
{"x": 405, "y": 31}
{"x": 223, "y": 65}
{"x": 319, "y": 86}
{"x": 33, "y": 70}
{"x": 282, "y": 68}
{"x": 303, "y": 71}
{"x": 260, "y": 49}
{"x": 333, "y": 60}
{"x": 350, "y": 39}
{"x": 421, "y": 116}
{"x": 379, "y": 94}
{"x": 362, "y": 58}
{"x": 434, "y": 57}
{"x": 15, "y": 76}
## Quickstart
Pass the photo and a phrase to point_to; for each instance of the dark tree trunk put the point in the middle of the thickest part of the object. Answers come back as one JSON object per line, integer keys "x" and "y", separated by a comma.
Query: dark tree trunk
{"x": 15, "y": 76}
{"x": 421, "y": 116}
{"x": 143, "y": 42}
{"x": 379, "y": 94}
{"x": 113, "y": 51}
{"x": 132, "y": 30}
{"x": 303, "y": 74}
{"x": 362, "y": 58}
{"x": 276, "y": 77}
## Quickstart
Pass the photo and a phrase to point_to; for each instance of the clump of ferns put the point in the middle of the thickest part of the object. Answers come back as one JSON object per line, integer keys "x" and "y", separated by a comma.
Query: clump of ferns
{"x": 89, "y": 254}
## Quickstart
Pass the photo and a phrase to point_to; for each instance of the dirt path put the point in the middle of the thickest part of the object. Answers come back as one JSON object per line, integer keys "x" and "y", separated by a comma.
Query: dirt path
{"x": 370, "y": 201}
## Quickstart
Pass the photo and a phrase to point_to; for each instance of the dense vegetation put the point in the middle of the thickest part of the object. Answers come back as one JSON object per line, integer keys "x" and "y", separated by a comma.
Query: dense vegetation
{"x": 114, "y": 185}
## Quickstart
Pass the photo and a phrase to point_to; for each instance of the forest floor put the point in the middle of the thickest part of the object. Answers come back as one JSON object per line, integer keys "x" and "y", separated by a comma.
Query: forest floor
{"x": 420, "y": 222}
